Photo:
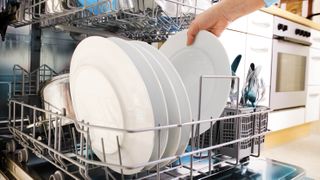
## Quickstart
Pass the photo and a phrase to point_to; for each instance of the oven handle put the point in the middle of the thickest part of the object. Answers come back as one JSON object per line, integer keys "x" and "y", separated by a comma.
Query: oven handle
{"x": 288, "y": 39}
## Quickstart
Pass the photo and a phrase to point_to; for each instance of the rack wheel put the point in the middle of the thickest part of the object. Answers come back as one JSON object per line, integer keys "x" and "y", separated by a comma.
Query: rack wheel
{"x": 11, "y": 146}
{"x": 58, "y": 175}
{"x": 244, "y": 160}
{"x": 23, "y": 155}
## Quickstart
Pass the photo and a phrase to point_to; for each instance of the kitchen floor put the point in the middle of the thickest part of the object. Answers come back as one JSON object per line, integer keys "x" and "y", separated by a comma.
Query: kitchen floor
{"x": 304, "y": 152}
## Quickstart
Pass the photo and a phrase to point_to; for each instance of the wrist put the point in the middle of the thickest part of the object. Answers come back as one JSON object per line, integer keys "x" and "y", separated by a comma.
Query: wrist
{"x": 233, "y": 9}
{"x": 229, "y": 10}
{"x": 219, "y": 10}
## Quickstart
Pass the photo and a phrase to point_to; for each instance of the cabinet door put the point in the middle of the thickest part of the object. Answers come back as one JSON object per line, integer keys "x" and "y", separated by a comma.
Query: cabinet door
{"x": 313, "y": 104}
{"x": 286, "y": 118}
{"x": 315, "y": 38}
{"x": 240, "y": 24}
{"x": 265, "y": 99}
{"x": 234, "y": 43}
{"x": 259, "y": 50}
{"x": 260, "y": 23}
{"x": 314, "y": 67}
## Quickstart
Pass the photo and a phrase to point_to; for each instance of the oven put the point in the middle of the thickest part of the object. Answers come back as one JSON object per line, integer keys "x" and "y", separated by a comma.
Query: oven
{"x": 289, "y": 65}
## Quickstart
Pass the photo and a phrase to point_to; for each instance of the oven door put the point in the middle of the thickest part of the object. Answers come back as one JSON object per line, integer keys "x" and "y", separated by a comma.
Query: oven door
{"x": 288, "y": 77}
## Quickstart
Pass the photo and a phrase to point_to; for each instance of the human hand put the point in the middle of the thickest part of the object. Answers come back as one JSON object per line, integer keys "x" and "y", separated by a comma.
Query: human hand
{"x": 213, "y": 20}
{"x": 217, "y": 18}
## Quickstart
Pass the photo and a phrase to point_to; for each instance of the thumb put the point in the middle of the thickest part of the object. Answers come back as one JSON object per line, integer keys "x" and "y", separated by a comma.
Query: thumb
{"x": 192, "y": 32}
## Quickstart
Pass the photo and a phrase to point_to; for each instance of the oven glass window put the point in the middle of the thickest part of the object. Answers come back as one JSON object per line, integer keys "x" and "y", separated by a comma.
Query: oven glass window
{"x": 291, "y": 70}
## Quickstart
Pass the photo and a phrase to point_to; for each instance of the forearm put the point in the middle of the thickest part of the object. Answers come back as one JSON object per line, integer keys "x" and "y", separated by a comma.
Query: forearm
{"x": 234, "y": 9}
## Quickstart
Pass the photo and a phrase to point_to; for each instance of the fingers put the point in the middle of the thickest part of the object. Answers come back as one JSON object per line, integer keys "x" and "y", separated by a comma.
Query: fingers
{"x": 217, "y": 31}
{"x": 192, "y": 32}
{"x": 219, "y": 28}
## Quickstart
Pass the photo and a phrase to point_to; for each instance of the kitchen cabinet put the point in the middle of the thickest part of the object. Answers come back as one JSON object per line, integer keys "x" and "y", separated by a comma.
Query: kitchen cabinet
{"x": 259, "y": 52}
{"x": 240, "y": 24}
{"x": 257, "y": 23}
{"x": 260, "y": 23}
{"x": 313, "y": 72}
{"x": 235, "y": 44}
{"x": 313, "y": 104}
{"x": 315, "y": 38}
{"x": 254, "y": 49}
{"x": 286, "y": 118}
{"x": 265, "y": 101}
{"x": 313, "y": 80}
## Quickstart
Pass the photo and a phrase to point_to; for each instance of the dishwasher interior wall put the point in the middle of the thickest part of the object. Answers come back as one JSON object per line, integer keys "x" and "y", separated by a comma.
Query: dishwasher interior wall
{"x": 14, "y": 50}
{"x": 56, "y": 49}
{"x": 56, "y": 52}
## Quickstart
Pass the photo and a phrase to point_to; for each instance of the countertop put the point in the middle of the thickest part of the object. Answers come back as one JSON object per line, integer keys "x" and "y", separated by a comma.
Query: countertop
{"x": 290, "y": 16}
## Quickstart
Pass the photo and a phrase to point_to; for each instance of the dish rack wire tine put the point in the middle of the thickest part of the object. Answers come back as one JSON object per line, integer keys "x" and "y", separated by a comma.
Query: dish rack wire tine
{"x": 159, "y": 153}
{"x": 192, "y": 148}
{"x": 104, "y": 158}
{"x": 120, "y": 157}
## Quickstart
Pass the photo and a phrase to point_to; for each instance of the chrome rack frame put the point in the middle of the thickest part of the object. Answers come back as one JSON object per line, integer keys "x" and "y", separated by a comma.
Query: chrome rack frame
{"x": 134, "y": 19}
{"x": 29, "y": 83}
{"x": 79, "y": 154}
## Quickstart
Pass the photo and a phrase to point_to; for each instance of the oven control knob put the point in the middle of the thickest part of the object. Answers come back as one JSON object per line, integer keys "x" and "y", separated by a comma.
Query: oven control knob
{"x": 297, "y": 31}
{"x": 308, "y": 34}
{"x": 280, "y": 26}
{"x": 285, "y": 27}
{"x": 301, "y": 32}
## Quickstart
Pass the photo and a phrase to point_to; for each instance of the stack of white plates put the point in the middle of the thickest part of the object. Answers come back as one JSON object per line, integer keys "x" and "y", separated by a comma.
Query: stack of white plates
{"x": 131, "y": 85}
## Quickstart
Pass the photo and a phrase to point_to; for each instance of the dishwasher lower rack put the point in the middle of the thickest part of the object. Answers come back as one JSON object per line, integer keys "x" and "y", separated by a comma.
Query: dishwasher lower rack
{"x": 69, "y": 147}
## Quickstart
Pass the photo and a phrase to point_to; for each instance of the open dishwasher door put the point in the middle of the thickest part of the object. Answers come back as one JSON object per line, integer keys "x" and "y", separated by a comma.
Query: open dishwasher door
{"x": 260, "y": 169}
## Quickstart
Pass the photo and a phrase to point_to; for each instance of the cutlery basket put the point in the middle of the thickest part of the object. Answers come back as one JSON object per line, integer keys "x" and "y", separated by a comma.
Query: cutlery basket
{"x": 243, "y": 127}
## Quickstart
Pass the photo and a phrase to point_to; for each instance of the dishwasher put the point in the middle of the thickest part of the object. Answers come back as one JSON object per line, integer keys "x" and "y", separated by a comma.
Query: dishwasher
{"x": 43, "y": 144}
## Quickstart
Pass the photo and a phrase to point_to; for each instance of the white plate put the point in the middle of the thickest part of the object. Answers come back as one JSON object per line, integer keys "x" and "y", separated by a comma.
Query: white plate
{"x": 181, "y": 93}
{"x": 56, "y": 98}
{"x": 171, "y": 99}
{"x": 205, "y": 57}
{"x": 150, "y": 76}
{"x": 108, "y": 90}
{"x": 54, "y": 6}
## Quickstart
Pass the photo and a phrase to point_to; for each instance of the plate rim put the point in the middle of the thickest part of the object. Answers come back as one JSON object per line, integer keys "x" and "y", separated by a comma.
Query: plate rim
{"x": 206, "y": 41}
{"x": 185, "y": 108}
{"x": 164, "y": 134}
{"x": 173, "y": 149}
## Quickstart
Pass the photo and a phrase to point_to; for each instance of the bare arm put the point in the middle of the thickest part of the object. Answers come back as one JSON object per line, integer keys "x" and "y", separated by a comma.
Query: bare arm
{"x": 217, "y": 18}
